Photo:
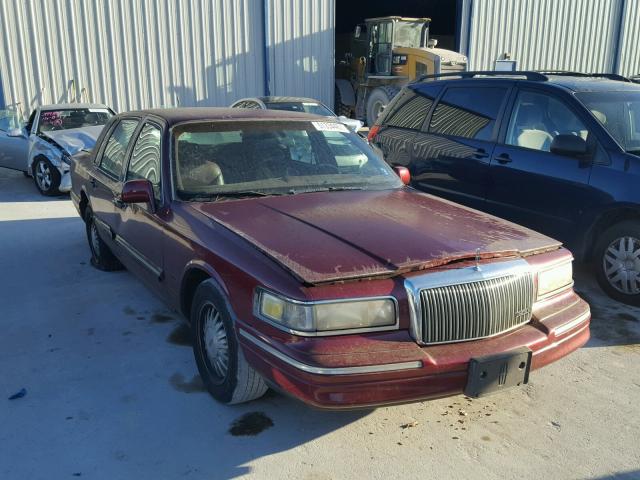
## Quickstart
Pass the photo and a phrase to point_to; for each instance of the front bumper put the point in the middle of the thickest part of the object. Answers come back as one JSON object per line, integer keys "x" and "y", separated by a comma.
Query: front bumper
{"x": 338, "y": 373}
{"x": 65, "y": 182}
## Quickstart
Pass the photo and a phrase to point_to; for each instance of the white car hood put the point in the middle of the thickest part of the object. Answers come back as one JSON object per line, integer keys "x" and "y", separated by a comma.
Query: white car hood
{"x": 75, "y": 139}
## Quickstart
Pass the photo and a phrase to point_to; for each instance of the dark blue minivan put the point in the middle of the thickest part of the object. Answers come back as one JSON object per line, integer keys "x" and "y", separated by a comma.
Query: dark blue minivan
{"x": 557, "y": 152}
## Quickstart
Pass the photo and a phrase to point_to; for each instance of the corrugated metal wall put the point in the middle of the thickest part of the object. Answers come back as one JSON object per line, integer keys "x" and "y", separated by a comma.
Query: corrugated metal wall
{"x": 630, "y": 39}
{"x": 133, "y": 54}
{"x": 301, "y": 48}
{"x": 577, "y": 35}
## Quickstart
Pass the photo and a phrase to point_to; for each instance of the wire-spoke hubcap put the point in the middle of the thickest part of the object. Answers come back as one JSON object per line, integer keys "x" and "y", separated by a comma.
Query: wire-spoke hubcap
{"x": 95, "y": 240}
{"x": 43, "y": 175}
{"x": 216, "y": 343}
{"x": 621, "y": 264}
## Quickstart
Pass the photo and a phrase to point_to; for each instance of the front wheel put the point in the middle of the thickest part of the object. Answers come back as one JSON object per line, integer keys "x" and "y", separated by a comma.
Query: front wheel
{"x": 617, "y": 262}
{"x": 377, "y": 101}
{"x": 224, "y": 371}
{"x": 46, "y": 176}
{"x": 101, "y": 255}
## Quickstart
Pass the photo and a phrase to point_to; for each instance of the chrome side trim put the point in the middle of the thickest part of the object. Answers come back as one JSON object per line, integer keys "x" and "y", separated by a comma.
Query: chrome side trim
{"x": 385, "y": 367}
{"x": 105, "y": 226}
{"x": 321, "y": 333}
{"x": 144, "y": 261}
{"x": 414, "y": 285}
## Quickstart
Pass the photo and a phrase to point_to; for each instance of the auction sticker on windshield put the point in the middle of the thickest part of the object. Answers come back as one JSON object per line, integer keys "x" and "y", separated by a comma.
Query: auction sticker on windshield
{"x": 330, "y": 127}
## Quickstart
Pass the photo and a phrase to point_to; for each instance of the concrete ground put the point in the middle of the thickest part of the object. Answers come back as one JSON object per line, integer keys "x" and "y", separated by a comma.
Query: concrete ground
{"x": 112, "y": 390}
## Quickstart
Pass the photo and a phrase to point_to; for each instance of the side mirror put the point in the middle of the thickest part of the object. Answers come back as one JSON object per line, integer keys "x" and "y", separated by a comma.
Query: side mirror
{"x": 138, "y": 191}
{"x": 16, "y": 132}
{"x": 569, "y": 145}
{"x": 403, "y": 173}
{"x": 357, "y": 31}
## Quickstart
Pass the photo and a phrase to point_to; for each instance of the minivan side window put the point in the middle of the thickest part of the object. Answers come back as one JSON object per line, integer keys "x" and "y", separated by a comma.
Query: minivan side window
{"x": 113, "y": 156}
{"x": 145, "y": 158}
{"x": 468, "y": 112}
{"x": 409, "y": 109}
{"x": 536, "y": 120}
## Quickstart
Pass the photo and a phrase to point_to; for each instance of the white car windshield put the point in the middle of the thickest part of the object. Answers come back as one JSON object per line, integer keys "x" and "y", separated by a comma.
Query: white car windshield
{"x": 65, "y": 119}
{"x": 231, "y": 159}
{"x": 303, "y": 107}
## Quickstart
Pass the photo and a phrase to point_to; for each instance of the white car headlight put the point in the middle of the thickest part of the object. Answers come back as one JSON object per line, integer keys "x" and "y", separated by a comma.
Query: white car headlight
{"x": 327, "y": 316}
{"x": 554, "y": 279}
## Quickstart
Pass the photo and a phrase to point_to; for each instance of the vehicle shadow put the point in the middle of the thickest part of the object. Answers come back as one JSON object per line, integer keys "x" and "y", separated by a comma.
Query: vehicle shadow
{"x": 612, "y": 323}
{"x": 15, "y": 187}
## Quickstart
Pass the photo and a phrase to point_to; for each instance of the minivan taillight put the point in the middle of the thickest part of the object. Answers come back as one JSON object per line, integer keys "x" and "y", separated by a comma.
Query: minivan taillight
{"x": 373, "y": 131}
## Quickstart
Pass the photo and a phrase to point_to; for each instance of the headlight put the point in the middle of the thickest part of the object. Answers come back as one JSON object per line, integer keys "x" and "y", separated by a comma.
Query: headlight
{"x": 323, "y": 317}
{"x": 554, "y": 279}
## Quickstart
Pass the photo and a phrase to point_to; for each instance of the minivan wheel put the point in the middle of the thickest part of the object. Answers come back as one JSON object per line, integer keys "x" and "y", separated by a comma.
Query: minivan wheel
{"x": 46, "y": 177}
{"x": 101, "y": 255}
{"x": 224, "y": 371}
{"x": 617, "y": 262}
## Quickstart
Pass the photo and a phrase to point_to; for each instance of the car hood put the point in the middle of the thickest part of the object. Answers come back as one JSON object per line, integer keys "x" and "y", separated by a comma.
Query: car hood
{"x": 334, "y": 236}
{"x": 73, "y": 140}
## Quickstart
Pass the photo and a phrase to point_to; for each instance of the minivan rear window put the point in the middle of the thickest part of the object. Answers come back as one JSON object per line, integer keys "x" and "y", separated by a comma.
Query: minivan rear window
{"x": 468, "y": 112}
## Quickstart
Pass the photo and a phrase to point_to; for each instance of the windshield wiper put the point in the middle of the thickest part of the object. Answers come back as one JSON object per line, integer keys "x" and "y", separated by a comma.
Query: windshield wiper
{"x": 220, "y": 195}
{"x": 293, "y": 191}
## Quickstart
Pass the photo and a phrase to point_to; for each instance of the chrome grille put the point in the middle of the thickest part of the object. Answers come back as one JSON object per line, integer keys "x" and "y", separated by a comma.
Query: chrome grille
{"x": 472, "y": 310}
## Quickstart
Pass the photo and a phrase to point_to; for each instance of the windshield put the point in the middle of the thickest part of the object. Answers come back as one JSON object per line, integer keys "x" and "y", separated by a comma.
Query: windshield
{"x": 619, "y": 113}
{"x": 231, "y": 159}
{"x": 408, "y": 34}
{"x": 303, "y": 107}
{"x": 54, "y": 120}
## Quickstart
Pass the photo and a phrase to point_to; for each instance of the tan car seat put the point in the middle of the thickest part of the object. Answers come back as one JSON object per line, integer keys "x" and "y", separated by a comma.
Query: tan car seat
{"x": 533, "y": 133}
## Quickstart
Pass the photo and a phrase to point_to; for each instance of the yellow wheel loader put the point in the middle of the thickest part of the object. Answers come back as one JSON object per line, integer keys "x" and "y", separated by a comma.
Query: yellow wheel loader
{"x": 384, "y": 55}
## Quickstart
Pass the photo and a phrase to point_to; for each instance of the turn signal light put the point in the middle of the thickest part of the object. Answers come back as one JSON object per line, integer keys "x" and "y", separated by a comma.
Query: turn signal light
{"x": 373, "y": 131}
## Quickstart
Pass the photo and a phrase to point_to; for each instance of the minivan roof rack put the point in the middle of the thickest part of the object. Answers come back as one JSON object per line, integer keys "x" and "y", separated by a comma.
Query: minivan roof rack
{"x": 529, "y": 75}
{"x": 565, "y": 73}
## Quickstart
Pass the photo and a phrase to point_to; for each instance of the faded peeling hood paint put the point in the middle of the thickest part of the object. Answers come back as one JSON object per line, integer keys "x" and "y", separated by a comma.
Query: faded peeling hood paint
{"x": 75, "y": 139}
{"x": 332, "y": 236}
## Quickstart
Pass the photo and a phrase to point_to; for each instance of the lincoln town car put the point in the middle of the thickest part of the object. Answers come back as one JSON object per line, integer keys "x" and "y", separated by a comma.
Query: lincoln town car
{"x": 303, "y": 262}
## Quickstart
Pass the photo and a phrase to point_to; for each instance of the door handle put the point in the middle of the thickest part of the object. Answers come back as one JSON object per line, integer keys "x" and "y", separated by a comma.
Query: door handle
{"x": 480, "y": 153}
{"x": 93, "y": 182}
{"x": 504, "y": 158}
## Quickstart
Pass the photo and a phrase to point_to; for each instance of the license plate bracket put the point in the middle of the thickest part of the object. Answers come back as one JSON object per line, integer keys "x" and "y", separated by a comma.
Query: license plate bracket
{"x": 494, "y": 373}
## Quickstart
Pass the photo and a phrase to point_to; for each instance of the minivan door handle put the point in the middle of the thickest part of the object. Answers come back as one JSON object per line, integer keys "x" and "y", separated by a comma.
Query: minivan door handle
{"x": 480, "y": 154}
{"x": 93, "y": 182}
{"x": 504, "y": 158}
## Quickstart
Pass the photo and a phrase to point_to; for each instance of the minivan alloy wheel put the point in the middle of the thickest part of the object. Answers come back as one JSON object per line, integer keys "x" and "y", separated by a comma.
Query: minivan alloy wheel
{"x": 216, "y": 343}
{"x": 621, "y": 264}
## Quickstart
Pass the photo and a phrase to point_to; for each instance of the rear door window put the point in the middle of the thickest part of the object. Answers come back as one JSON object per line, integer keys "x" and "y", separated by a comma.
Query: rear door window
{"x": 409, "y": 109}
{"x": 468, "y": 112}
{"x": 113, "y": 156}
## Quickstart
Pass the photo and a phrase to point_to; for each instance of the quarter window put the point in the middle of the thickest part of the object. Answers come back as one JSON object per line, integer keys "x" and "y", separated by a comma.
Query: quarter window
{"x": 538, "y": 118}
{"x": 116, "y": 148}
{"x": 468, "y": 112}
{"x": 145, "y": 158}
{"x": 409, "y": 108}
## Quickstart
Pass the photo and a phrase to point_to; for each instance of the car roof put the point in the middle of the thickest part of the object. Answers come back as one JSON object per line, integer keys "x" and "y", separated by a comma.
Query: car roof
{"x": 68, "y": 106}
{"x": 575, "y": 83}
{"x": 173, "y": 116}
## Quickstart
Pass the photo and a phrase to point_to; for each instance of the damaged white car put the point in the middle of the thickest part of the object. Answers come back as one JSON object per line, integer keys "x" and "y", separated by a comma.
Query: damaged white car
{"x": 42, "y": 147}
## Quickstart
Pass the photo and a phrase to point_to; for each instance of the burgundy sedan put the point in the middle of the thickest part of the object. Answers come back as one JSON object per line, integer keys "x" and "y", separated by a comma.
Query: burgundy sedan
{"x": 303, "y": 262}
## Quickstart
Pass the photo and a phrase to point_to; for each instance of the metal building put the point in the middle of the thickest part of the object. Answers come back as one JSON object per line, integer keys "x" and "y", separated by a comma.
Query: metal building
{"x": 575, "y": 35}
{"x": 132, "y": 54}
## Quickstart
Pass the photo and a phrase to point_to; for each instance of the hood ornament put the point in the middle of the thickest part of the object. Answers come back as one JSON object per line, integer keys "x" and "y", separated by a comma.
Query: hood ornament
{"x": 477, "y": 267}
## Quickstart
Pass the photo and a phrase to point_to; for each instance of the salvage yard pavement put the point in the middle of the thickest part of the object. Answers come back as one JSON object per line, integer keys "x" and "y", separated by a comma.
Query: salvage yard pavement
{"x": 97, "y": 380}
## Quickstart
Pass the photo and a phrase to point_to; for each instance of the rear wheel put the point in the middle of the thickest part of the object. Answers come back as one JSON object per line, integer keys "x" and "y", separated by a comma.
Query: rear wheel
{"x": 377, "y": 101}
{"x": 101, "y": 256}
{"x": 224, "y": 371}
{"x": 46, "y": 177}
{"x": 617, "y": 262}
